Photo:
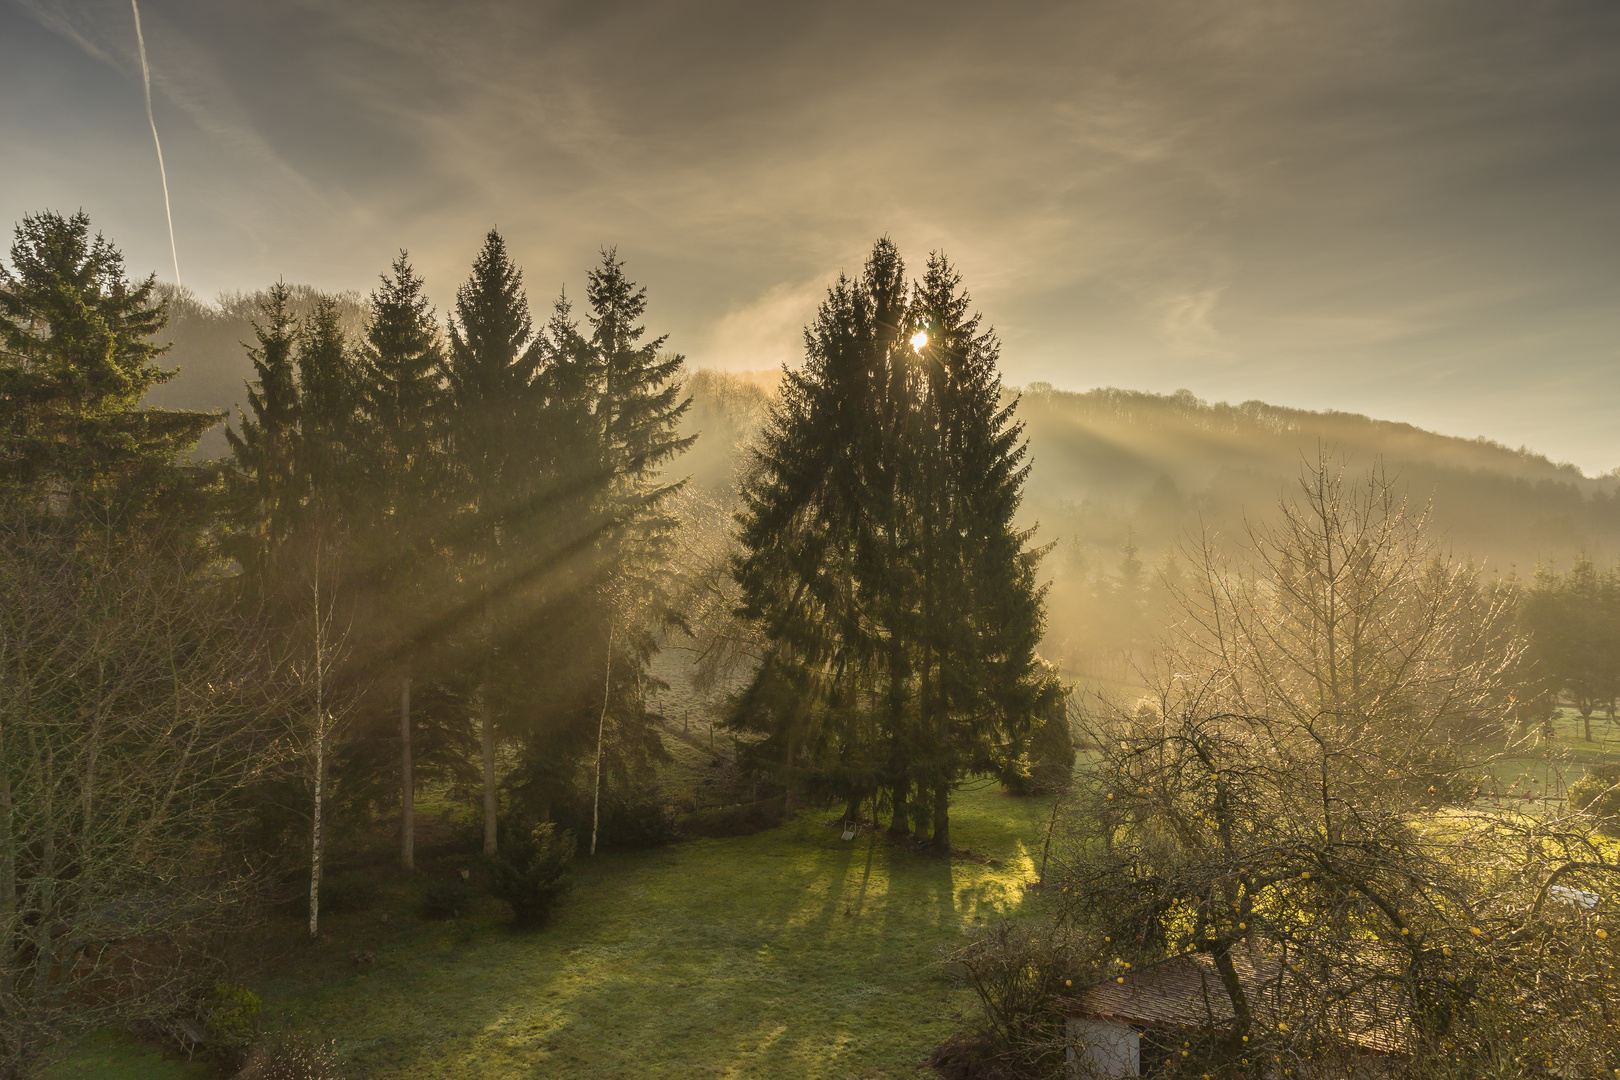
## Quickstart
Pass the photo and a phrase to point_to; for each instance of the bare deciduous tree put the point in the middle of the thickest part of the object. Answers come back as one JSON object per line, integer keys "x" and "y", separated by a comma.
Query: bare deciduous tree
{"x": 1295, "y": 797}
{"x": 133, "y": 713}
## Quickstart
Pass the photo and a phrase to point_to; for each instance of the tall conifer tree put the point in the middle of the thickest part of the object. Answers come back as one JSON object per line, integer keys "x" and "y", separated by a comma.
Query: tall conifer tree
{"x": 880, "y": 556}
{"x": 601, "y": 534}
{"x": 981, "y": 685}
{"x": 328, "y": 385}
{"x": 819, "y": 522}
{"x": 397, "y": 548}
{"x": 490, "y": 373}
{"x": 76, "y": 358}
{"x": 265, "y": 484}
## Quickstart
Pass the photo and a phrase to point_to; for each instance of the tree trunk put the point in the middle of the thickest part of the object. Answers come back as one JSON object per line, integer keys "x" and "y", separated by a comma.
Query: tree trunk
{"x": 407, "y": 783}
{"x": 601, "y": 731}
{"x": 486, "y": 738}
{"x": 942, "y": 818}
{"x": 8, "y": 871}
{"x": 1234, "y": 989}
{"x": 315, "y": 832}
{"x": 900, "y": 825}
{"x": 317, "y": 817}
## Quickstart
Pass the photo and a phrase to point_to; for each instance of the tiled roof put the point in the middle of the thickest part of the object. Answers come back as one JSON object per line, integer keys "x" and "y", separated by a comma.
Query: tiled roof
{"x": 1186, "y": 992}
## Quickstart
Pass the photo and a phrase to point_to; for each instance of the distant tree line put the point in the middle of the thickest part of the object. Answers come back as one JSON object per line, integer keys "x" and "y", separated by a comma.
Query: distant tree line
{"x": 1573, "y": 619}
{"x": 1117, "y": 468}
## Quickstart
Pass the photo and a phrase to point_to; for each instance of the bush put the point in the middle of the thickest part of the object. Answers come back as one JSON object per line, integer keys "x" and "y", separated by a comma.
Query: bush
{"x": 1598, "y": 793}
{"x": 287, "y": 1057}
{"x": 1018, "y": 973}
{"x": 1054, "y": 753}
{"x": 233, "y": 1025}
{"x": 531, "y": 871}
{"x": 346, "y": 892}
{"x": 741, "y": 820}
{"x": 1047, "y": 765}
{"x": 444, "y": 900}
{"x": 628, "y": 822}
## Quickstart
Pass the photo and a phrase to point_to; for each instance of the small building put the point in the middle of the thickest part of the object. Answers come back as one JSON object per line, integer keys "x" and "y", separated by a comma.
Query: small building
{"x": 1132, "y": 1024}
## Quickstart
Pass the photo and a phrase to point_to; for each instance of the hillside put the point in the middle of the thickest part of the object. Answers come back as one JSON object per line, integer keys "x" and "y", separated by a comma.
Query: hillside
{"x": 1108, "y": 463}
{"x": 1113, "y": 465}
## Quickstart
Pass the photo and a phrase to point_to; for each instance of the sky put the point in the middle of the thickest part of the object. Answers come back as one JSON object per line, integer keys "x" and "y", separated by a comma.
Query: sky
{"x": 1409, "y": 210}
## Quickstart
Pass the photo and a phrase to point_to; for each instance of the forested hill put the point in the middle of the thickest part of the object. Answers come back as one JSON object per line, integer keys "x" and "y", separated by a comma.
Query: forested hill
{"x": 1111, "y": 465}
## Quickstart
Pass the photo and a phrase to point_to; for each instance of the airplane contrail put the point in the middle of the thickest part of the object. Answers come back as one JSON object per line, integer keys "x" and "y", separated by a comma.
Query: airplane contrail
{"x": 146, "y": 77}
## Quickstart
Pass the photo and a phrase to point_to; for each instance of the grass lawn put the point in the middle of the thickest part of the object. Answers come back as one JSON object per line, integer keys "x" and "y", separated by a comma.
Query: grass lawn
{"x": 789, "y": 953}
{"x": 1551, "y": 764}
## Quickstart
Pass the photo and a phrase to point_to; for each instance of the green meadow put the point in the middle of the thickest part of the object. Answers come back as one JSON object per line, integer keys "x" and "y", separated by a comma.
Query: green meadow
{"x": 788, "y": 953}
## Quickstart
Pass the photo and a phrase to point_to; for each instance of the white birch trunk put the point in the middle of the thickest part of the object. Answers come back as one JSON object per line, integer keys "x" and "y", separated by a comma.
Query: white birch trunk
{"x": 407, "y": 783}
{"x": 486, "y": 736}
{"x": 601, "y": 727}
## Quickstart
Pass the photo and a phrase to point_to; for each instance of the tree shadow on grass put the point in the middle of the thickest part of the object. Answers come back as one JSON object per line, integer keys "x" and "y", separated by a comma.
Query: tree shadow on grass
{"x": 787, "y": 955}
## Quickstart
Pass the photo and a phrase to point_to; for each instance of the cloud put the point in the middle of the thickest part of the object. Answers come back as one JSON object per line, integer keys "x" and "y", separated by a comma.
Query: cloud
{"x": 73, "y": 26}
{"x": 1186, "y": 322}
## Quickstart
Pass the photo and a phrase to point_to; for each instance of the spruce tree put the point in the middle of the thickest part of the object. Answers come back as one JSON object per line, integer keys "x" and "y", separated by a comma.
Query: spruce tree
{"x": 76, "y": 357}
{"x": 328, "y": 387}
{"x": 395, "y": 535}
{"x": 982, "y": 685}
{"x": 820, "y": 526}
{"x": 638, "y": 412}
{"x": 489, "y": 372}
{"x": 265, "y": 485}
{"x": 401, "y": 402}
{"x": 880, "y": 557}
{"x": 598, "y": 544}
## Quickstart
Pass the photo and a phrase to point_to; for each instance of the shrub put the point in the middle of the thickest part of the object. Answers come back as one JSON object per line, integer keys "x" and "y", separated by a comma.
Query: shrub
{"x": 1054, "y": 753}
{"x": 742, "y": 820}
{"x": 531, "y": 871}
{"x": 233, "y": 1024}
{"x": 346, "y": 892}
{"x": 444, "y": 900}
{"x": 1598, "y": 793}
{"x": 1018, "y": 973}
{"x": 627, "y": 821}
{"x": 288, "y": 1057}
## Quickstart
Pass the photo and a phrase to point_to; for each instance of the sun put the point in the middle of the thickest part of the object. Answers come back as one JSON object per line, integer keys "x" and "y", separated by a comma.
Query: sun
{"x": 919, "y": 340}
